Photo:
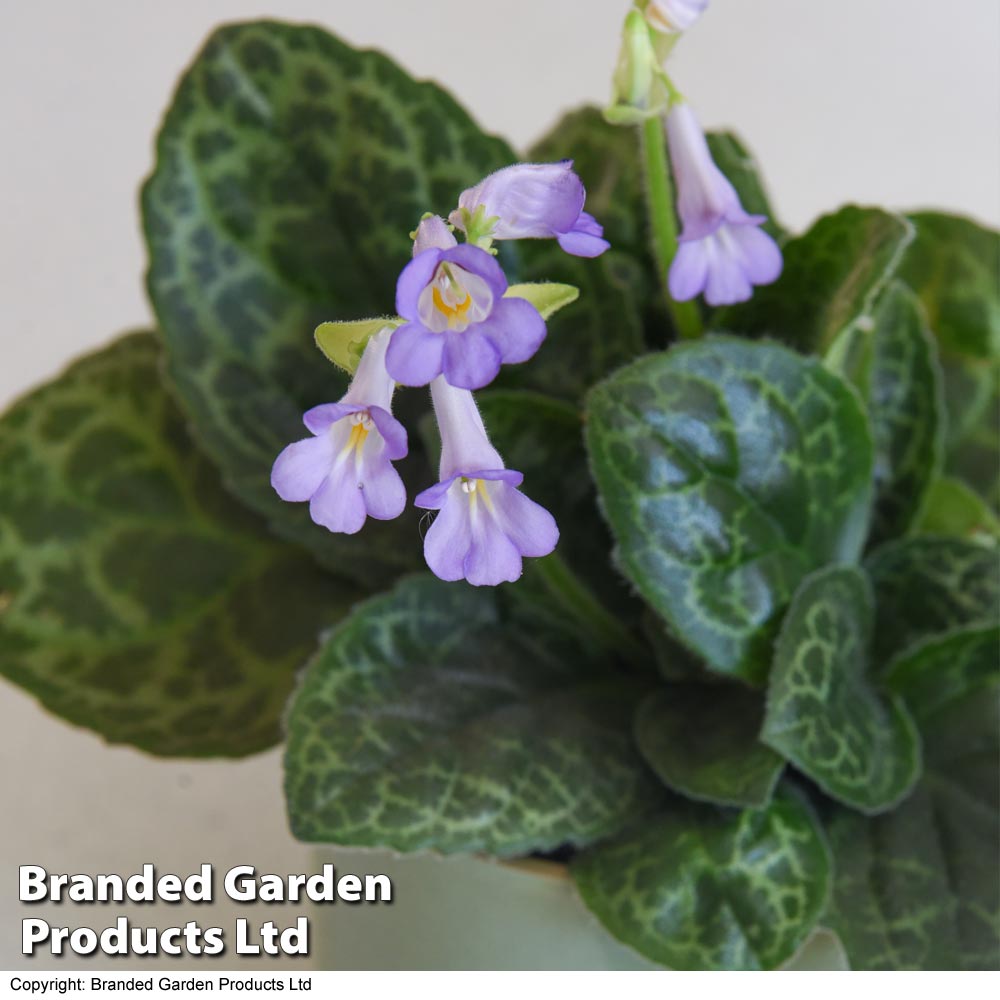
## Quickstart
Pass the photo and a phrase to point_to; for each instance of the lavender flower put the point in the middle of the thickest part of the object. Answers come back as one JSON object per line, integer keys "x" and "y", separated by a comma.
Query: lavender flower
{"x": 485, "y": 525}
{"x": 458, "y": 322}
{"x": 433, "y": 233}
{"x": 722, "y": 251}
{"x": 345, "y": 470}
{"x": 531, "y": 201}
{"x": 670, "y": 16}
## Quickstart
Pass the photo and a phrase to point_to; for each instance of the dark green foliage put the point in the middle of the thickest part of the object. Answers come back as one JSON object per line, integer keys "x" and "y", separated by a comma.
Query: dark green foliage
{"x": 137, "y": 598}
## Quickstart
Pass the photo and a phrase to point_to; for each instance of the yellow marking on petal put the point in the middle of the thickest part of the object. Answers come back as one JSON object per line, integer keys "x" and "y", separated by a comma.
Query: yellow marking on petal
{"x": 452, "y": 312}
{"x": 356, "y": 441}
{"x": 476, "y": 488}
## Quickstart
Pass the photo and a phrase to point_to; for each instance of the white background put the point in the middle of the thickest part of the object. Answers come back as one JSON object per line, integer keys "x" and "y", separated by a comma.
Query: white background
{"x": 879, "y": 101}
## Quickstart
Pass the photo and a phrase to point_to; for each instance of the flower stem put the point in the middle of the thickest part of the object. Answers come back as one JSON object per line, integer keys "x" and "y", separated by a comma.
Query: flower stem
{"x": 566, "y": 588}
{"x": 663, "y": 225}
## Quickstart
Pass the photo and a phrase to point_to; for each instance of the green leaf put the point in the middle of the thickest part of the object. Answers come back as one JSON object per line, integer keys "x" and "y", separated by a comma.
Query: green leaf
{"x": 953, "y": 266}
{"x": 702, "y": 741}
{"x": 618, "y": 289}
{"x": 930, "y": 673}
{"x": 290, "y": 170}
{"x": 823, "y": 712}
{"x": 703, "y": 888}
{"x": 729, "y": 470}
{"x": 832, "y": 277}
{"x": 583, "y": 344}
{"x": 892, "y": 359}
{"x": 918, "y": 887}
{"x": 344, "y": 342}
{"x": 743, "y": 172}
{"x": 432, "y": 719}
{"x": 927, "y": 585}
{"x": 952, "y": 508}
{"x": 972, "y": 449}
{"x": 136, "y": 597}
{"x": 548, "y": 297}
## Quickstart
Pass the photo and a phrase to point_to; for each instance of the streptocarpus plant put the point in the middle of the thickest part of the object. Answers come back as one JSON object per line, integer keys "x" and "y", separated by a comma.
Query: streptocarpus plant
{"x": 752, "y": 691}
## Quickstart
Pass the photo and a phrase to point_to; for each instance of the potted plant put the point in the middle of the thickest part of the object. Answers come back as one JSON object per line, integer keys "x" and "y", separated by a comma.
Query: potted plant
{"x": 708, "y": 622}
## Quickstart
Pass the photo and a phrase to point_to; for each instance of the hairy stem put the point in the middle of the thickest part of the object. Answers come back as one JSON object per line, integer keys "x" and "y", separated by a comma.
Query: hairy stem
{"x": 663, "y": 225}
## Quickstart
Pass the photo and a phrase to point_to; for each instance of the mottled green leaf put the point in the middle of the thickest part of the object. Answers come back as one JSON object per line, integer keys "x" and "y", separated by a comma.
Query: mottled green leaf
{"x": 917, "y": 888}
{"x": 593, "y": 336}
{"x": 432, "y": 719}
{"x": 891, "y": 357}
{"x": 824, "y": 713}
{"x": 952, "y": 508}
{"x": 928, "y": 585}
{"x": 136, "y": 597}
{"x": 933, "y": 672}
{"x": 972, "y": 401}
{"x": 953, "y": 266}
{"x": 702, "y": 741}
{"x": 728, "y": 470}
{"x": 673, "y": 661}
{"x": 620, "y": 291}
{"x": 705, "y": 888}
{"x": 831, "y": 279}
{"x": 290, "y": 170}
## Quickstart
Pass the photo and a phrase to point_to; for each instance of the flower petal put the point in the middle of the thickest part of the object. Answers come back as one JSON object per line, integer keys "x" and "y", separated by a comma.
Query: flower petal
{"x": 727, "y": 282}
{"x": 532, "y": 200}
{"x": 480, "y": 262}
{"x": 300, "y": 469}
{"x": 392, "y": 431}
{"x": 412, "y": 281}
{"x": 705, "y": 197}
{"x": 320, "y": 418}
{"x": 414, "y": 355}
{"x": 585, "y": 239}
{"x": 433, "y": 233}
{"x": 383, "y": 491}
{"x": 338, "y": 504}
{"x": 449, "y": 538}
{"x": 471, "y": 359}
{"x": 493, "y": 558}
{"x": 434, "y": 497}
{"x": 515, "y": 327}
{"x": 761, "y": 256}
{"x": 689, "y": 270}
{"x": 529, "y": 525}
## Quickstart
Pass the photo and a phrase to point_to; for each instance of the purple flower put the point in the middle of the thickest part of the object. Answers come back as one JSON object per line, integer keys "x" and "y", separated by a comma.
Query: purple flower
{"x": 532, "y": 201}
{"x": 458, "y": 322}
{"x": 722, "y": 251}
{"x": 433, "y": 233}
{"x": 485, "y": 525}
{"x": 669, "y": 16}
{"x": 345, "y": 470}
